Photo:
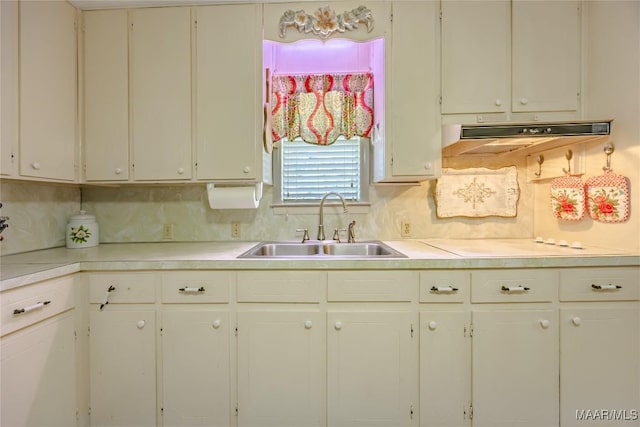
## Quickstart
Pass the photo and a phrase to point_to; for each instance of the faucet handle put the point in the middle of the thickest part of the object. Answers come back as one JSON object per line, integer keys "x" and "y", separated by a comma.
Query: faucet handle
{"x": 305, "y": 236}
{"x": 351, "y": 234}
{"x": 336, "y": 234}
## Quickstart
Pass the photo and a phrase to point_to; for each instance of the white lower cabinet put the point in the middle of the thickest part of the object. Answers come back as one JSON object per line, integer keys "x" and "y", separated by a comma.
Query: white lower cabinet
{"x": 371, "y": 366}
{"x": 445, "y": 368}
{"x": 600, "y": 347}
{"x": 515, "y": 368}
{"x": 281, "y": 368}
{"x": 122, "y": 351}
{"x": 515, "y": 348}
{"x": 444, "y": 348}
{"x": 48, "y": 398}
{"x": 196, "y": 370}
{"x": 38, "y": 355}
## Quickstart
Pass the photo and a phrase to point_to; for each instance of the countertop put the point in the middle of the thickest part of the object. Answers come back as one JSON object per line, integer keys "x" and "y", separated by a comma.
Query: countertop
{"x": 29, "y": 267}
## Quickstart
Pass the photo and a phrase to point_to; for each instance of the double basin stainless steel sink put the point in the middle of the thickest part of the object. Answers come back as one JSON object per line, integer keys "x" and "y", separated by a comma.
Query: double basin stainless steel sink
{"x": 321, "y": 249}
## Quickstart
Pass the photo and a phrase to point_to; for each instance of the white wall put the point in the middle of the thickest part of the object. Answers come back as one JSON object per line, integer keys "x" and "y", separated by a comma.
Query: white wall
{"x": 612, "y": 90}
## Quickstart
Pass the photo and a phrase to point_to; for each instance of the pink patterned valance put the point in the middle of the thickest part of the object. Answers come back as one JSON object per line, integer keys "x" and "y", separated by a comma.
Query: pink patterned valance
{"x": 320, "y": 107}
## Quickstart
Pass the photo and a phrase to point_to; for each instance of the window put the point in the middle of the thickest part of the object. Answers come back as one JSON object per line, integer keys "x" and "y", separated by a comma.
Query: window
{"x": 305, "y": 172}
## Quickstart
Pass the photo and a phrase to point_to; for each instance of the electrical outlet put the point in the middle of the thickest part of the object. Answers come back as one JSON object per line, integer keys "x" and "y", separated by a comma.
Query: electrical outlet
{"x": 405, "y": 229}
{"x": 167, "y": 232}
{"x": 235, "y": 229}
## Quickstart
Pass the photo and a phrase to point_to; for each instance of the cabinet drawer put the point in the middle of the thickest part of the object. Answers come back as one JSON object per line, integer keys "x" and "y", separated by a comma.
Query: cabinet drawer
{"x": 525, "y": 285}
{"x": 27, "y": 305}
{"x": 196, "y": 287}
{"x": 444, "y": 286}
{"x": 600, "y": 284}
{"x": 281, "y": 286}
{"x": 125, "y": 288}
{"x": 372, "y": 285}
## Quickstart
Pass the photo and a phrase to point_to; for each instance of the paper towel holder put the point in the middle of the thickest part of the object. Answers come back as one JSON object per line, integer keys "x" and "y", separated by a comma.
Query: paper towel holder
{"x": 257, "y": 191}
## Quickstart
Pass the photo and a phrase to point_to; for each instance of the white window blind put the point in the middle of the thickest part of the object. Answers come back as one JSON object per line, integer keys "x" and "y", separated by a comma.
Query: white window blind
{"x": 309, "y": 171}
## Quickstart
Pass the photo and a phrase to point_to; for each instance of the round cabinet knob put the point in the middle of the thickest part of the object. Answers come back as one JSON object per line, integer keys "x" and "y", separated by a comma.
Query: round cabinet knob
{"x": 118, "y": 171}
{"x": 35, "y": 165}
{"x": 428, "y": 166}
{"x": 307, "y": 324}
{"x": 545, "y": 323}
{"x": 216, "y": 324}
{"x": 524, "y": 101}
{"x": 433, "y": 325}
{"x": 180, "y": 171}
{"x": 498, "y": 102}
{"x": 338, "y": 325}
{"x": 140, "y": 324}
{"x": 246, "y": 169}
{"x": 576, "y": 321}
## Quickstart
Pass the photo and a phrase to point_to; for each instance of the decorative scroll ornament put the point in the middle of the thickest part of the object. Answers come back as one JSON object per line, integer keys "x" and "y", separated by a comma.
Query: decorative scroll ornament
{"x": 325, "y": 22}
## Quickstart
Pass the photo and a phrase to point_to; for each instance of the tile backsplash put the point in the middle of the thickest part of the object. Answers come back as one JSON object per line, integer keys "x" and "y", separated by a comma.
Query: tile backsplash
{"x": 138, "y": 213}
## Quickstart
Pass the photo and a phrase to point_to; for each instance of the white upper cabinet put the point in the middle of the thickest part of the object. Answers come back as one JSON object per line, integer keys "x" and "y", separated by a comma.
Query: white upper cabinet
{"x": 546, "y": 56}
{"x": 48, "y": 95}
{"x": 412, "y": 123}
{"x": 9, "y": 87}
{"x": 160, "y": 55}
{"x": 106, "y": 95}
{"x": 475, "y": 56}
{"x": 228, "y": 92}
{"x": 508, "y": 57}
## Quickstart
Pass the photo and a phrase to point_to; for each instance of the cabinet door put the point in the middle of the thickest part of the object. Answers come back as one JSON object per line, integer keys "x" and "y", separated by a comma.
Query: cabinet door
{"x": 515, "y": 368}
{"x": 123, "y": 368}
{"x": 475, "y": 56}
{"x": 228, "y": 92}
{"x": 161, "y": 93}
{"x": 445, "y": 368}
{"x": 8, "y": 86}
{"x": 38, "y": 375}
{"x": 281, "y": 369}
{"x": 106, "y": 95}
{"x": 600, "y": 349}
{"x": 48, "y": 90}
{"x": 546, "y": 64}
{"x": 414, "y": 128}
{"x": 371, "y": 364}
{"x": 195, "y": 368}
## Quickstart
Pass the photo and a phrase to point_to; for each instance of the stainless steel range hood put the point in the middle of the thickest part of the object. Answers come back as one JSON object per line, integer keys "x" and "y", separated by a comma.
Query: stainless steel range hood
{"x": 519, "y": 138}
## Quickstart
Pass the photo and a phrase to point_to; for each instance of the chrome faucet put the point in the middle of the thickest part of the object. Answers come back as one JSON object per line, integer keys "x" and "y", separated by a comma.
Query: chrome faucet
{"x": 321, "y": 225}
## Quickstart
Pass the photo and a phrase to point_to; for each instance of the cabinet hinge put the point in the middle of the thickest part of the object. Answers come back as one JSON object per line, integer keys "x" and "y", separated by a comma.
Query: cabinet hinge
{"x": 412, "y": 330}
{"x": 411, "y": 411}
{"x": 391, "y": 17}
{"x": 77, "y": 414}
{"x": 236, "y": 409}
{"x": 161, "y": 331}
{"x": 236, "y": 331}
{"x": 440, "y": 100}
{"x": 440, "y": 15}
{"x": 89, "y": 331}
{"x": 468, "y": 331}
{"x": 162, "y": 412}
{"x": 75, "y": 335}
